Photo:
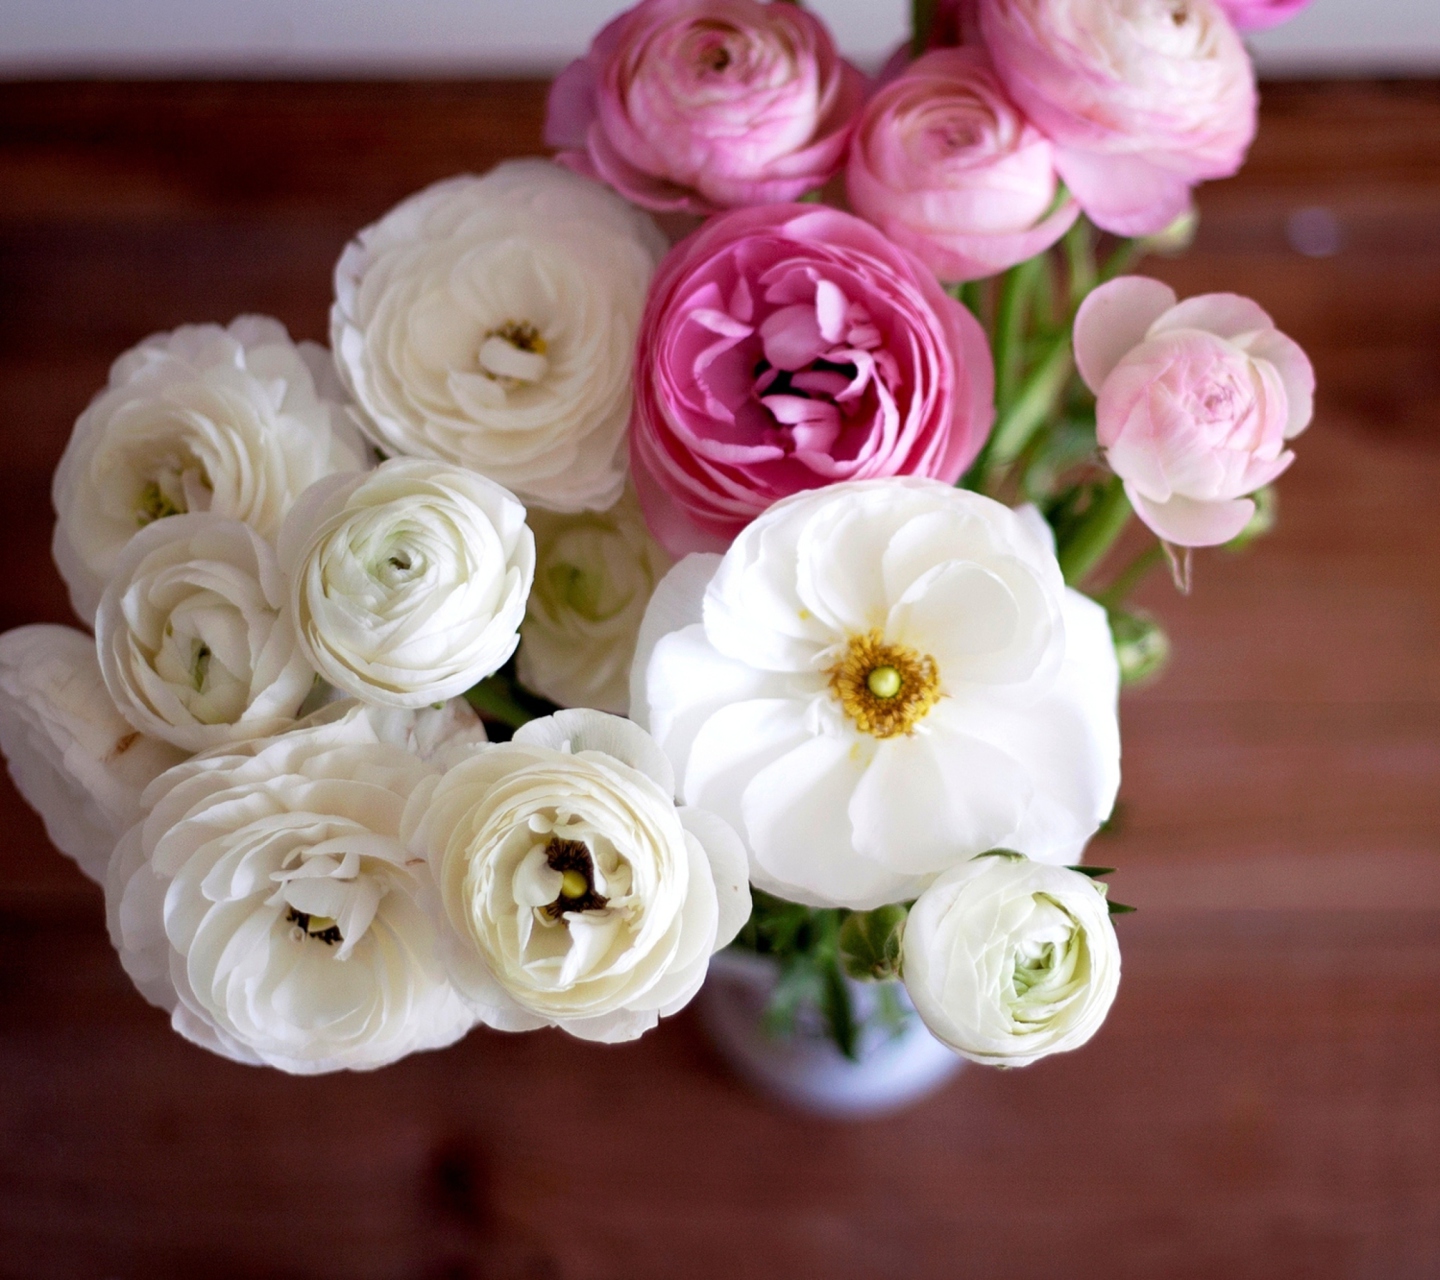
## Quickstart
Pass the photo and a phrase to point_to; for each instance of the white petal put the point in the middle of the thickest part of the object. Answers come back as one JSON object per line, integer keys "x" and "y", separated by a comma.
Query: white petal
{"x": 936, "y": 798}
{"x": 677, "y": 603}
{"x": 797, "y": 815}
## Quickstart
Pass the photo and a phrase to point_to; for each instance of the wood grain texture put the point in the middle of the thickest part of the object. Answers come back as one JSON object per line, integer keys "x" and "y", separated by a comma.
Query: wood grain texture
{"x": 1265, "y": 1099}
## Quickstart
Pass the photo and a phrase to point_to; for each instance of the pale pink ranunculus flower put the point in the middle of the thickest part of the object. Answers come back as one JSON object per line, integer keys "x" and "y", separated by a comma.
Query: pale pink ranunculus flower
{"x": 945, "y": 164}
{"x": 1142, "y": 98}
{"x": 1195, "y": 402}
{"x": 1261, "y": 15}
{"x": 699, "y": 105}
{"x": 787, "y": 347}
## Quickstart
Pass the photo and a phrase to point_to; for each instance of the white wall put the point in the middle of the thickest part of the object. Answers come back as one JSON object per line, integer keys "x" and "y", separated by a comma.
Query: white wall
{"x": 400, "y": 37}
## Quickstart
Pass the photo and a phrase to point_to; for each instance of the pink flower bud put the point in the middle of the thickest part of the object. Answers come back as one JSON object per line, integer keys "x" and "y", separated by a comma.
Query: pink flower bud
{"x": 1142, "y": 99}
{"x": 1195, "y": 402}
{"x": 788, "y": 347}
{"x": 944, "y": 163}
{"x": 700, "y": 105}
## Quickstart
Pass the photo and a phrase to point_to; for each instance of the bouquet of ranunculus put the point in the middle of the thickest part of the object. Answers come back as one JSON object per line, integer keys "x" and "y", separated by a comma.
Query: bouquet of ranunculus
{"x": 767, "y": 555}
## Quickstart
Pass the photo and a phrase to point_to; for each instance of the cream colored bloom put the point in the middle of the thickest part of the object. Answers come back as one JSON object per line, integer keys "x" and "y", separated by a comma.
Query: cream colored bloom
{"x": 490, "y": 322}
{"x": 76, "y": 760}
{"x": 235, "y": 421}
{"x": 571, "y": 890}
{"x": 594, "y": 575}
{"x": 193, "y": 644}
{"x": 878, "y": 680}
{"x": 1008, "y": 960}
{"x": 268, "y": 903}
{"x": 407, "y": 584}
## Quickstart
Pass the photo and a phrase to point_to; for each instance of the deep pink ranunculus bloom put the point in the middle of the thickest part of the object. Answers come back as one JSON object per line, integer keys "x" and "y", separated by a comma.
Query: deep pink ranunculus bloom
{"x": 1142, "y": 100}
{"x": 700, "y": 105}
{"x": 786, "y": 347}
{"x": 1261, "y": 15}
{"x": 1196, "y": 402}
{"x": 945, "y": 164}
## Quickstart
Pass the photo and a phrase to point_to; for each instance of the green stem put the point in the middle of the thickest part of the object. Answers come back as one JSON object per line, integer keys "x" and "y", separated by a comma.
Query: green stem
{"x": 1095, "y": 533}
{"x": 1080, "y": 258}
{"x": 1010, "y": 316}
{"x": 1032, "y": 404}
{"x": 1118, "y": 263}
{"x": 1131, "y": 576}
{"x": 922, "y": 22}
{"x": 972, "y": 294}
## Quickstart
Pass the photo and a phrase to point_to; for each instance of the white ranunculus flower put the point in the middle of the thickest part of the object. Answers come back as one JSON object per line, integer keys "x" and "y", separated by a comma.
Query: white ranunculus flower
{"x": 878, "y": 680}
{"x": 1008, "y": 960}
{"x": 571, "y": 890}
{"x": 267, "y": 901}
{"x": 235, "y": 421}
{"x": 594, "y": 575}
{"x": 194, "y": 645}
{"x": 407, "y": 584}
{"x": 77, "y": 762}
{"x": 490, "y": 322}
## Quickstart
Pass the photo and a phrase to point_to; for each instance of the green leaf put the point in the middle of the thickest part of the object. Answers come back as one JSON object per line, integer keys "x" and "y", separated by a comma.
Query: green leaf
{"x": 494, "y": 698}
{"x": 1119, "y": 908}
{"x": 870, "y": 943}
{"x": 839, "y": 1012}
{"x": 1093, "y": 872}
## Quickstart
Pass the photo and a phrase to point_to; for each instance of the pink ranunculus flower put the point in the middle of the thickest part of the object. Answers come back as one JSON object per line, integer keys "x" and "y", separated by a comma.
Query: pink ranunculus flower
{"x": 944, "y": 163}
{"x": 1195, "y": 402}
{"x": 1261, "y": 15}
{"x": 787, "y": 347}
{"x": 1142, "y": 99}
{"x": 699, "y": 105}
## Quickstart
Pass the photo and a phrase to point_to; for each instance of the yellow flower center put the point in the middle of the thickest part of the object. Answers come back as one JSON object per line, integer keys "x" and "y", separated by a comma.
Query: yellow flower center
{"x": 885, "y": 689}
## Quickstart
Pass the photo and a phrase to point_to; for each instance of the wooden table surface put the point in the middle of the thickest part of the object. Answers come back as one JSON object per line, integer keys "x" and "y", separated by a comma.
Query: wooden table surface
{"x": 1265, "y": 1099}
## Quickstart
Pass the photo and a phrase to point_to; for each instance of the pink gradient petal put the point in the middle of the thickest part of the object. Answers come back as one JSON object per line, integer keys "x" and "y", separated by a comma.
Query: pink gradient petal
{"x": 1188, "y": 523}
{"x": 1115, "y": 319}
{"x": 1126, "y": 195}
{"x": 1227, "y": 315}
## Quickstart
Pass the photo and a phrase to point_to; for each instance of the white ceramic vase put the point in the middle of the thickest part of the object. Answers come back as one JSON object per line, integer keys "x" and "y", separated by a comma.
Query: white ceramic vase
{"x": 898, "y": 1061}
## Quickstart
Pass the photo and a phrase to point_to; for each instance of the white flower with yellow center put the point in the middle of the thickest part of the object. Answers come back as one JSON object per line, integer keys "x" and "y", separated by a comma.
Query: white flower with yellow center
{"x": 268, "y": 903}
{"x": 490, "y": 322}
{"x": 594, "y": 574}
{"x": 571, "y": 890}
{"x": 234, "y": 421}
{"x": 879, "y": 680}
{"x": 1008, "y": 960}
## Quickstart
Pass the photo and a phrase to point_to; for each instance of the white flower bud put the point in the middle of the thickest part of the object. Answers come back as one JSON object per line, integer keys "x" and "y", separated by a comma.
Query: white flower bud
{"x": 407, "y": 584}
{"x": 1008, "y": 960}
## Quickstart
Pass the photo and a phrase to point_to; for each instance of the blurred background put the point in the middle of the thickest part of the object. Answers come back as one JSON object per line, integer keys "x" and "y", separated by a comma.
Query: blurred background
{"x": 1265, "y": 1099}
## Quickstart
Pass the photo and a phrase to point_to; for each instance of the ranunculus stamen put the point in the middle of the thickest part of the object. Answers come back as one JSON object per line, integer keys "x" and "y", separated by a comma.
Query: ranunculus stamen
{"x": 156, "y": 504}
{"x": 571, "y": 858}
{"x": 514, "y": 354}
{"x": 321, "y": 928}
{"x": 885, "y": 689}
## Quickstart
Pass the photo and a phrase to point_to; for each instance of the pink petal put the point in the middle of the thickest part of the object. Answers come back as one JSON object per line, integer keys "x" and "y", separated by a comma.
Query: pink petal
{"x": 1227, "y": 315}
{"x": 1113, "y": 321}
{"x": 1188, "y": 523}
{"x": 1126, "y": 195}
